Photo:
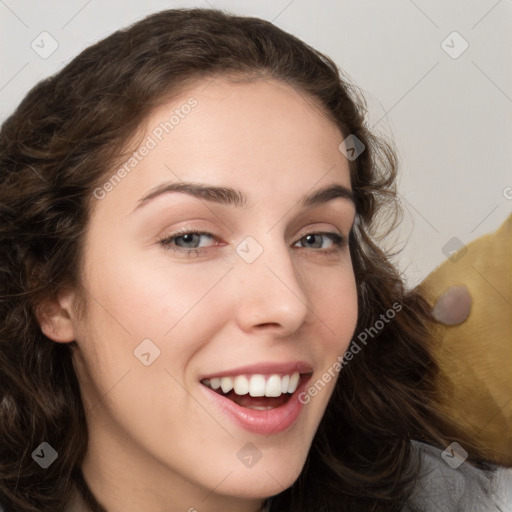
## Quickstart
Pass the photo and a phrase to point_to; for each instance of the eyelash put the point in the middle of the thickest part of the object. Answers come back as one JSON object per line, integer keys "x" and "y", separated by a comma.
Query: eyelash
{"x": 338, "y": 241}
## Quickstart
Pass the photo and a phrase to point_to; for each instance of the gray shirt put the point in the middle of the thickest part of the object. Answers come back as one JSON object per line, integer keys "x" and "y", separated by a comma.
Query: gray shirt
{"x": 458, "y": 488}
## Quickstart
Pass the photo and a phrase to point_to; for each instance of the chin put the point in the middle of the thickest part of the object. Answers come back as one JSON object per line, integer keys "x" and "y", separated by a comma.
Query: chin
{"x": 270, "y": 475}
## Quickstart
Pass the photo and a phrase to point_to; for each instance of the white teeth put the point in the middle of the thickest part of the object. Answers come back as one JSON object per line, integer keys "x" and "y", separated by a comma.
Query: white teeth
{"x": 241, "y": 385}
{"x": 294, "y": 382}
{"x": 285, "y": 381}
{"x": 226, "y": 383}
{"x": 256, "y": 385}
{"x": 273, "y": 387}
{"x": 215, "y": 383}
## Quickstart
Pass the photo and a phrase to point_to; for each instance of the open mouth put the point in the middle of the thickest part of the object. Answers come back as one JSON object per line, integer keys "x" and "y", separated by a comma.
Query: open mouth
{"x": 257, "y": 391}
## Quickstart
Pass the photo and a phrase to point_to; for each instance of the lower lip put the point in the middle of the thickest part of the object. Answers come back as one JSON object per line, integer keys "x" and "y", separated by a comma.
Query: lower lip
{"x": 271, "y": 421}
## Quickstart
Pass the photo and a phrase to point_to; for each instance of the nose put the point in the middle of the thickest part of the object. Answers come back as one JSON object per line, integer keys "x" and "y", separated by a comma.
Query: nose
{"x": 271, "y": 292}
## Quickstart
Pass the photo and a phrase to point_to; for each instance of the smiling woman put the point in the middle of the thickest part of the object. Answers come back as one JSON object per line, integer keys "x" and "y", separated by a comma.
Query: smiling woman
{"x": 175, "y": 281}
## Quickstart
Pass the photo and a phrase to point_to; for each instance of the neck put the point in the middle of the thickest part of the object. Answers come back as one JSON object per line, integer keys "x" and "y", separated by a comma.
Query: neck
{"x": 88, "y": 503}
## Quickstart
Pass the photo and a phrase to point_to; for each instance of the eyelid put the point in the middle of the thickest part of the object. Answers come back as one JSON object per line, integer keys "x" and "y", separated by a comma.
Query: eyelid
{"x": 203, "y": 230}
{"x": 339, "y": 241}
{"x": 198, "y": 228}
{"x": 317, "y": 228}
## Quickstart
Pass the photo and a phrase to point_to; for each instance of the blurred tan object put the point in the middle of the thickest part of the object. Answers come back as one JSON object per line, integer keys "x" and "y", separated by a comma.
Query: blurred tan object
{"x": 471, "y": 296}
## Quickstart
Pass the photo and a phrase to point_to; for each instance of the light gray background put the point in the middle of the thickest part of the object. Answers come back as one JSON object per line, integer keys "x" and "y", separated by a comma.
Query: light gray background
{"x": 450, "y": 117}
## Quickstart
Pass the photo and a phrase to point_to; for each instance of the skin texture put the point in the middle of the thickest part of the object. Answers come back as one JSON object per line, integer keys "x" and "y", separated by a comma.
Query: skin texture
{"x": 156, "y": 442}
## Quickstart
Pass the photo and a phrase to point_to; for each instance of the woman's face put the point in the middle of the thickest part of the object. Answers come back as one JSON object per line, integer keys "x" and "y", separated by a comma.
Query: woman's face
{"x": 261, "y": 296}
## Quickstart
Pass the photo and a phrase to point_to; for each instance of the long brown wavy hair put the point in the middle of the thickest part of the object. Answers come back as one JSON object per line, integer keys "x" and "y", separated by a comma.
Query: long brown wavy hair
{"x": 67, "y": 135}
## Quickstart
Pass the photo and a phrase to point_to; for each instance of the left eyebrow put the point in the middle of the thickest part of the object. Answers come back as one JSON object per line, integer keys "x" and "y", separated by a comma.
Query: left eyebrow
{"x": 231, "y": 197}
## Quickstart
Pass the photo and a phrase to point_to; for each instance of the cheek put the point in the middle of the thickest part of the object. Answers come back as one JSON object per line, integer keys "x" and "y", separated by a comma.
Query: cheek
{"x": 338, "y": 326}
{"x": 168, "y": 304}
{"x": 136, "y": 310}
{"x": 337, "y": 309}
{"x": 148, "y": 299}
{"x": 337, "y": 323}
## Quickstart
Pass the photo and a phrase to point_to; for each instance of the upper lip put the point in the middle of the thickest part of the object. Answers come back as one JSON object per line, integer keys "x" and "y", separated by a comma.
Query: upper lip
{"x": 263, "y": 368}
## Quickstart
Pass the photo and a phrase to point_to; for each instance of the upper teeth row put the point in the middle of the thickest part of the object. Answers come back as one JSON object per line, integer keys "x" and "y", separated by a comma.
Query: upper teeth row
{"x": 256, "y": 385}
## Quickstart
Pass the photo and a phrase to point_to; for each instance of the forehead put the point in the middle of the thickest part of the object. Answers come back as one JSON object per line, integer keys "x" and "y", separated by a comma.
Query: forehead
{"x": 263, "y": 135}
